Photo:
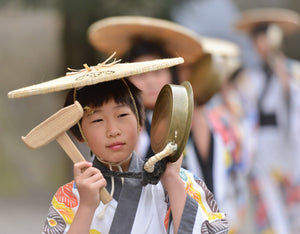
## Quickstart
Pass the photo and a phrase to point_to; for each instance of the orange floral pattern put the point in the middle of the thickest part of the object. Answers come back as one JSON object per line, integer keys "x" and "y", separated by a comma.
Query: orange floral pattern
{"x": 65, "y": 195}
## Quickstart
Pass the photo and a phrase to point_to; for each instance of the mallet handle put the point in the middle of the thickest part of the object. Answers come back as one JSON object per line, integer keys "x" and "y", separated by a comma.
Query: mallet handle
{"x": 72, "y": 151}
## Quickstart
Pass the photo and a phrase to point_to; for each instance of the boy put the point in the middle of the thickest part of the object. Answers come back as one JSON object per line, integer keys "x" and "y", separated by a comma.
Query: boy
{"x": 110, "y": 126}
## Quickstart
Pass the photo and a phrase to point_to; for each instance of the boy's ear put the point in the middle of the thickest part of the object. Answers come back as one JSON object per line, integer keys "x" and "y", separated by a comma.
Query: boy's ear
{"x": 78, "y": 134}
{"x": 77, "y": 138}
{"x": 80, "y": 140}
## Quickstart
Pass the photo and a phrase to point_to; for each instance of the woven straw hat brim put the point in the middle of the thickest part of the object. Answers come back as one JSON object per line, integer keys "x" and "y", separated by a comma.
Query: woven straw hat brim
{"x": 209, "y": 74}
{"x": 220, "y": 47}
{"x": 212, "y": 70}
{"x": 114, "y": 34}
{"x": 287, "y": 20}
{"x": 94, "y": 76}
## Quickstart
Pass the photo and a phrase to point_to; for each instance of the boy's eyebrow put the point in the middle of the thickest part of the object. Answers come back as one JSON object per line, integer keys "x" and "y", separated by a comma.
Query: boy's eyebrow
{"x": 98, "y": 109}
{"x": 90, "y": 110}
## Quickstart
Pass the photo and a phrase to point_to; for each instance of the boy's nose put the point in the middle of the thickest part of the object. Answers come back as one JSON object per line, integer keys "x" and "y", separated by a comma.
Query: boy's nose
{"x": 113, "y": 130}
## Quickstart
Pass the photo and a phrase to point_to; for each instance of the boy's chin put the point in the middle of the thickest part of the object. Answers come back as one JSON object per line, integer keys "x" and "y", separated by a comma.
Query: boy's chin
{"x": 118, "y": 159}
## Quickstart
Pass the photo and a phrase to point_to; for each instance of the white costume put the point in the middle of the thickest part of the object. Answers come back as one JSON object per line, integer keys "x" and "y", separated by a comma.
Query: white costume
{"x": 276, "y": 159}
{"x": 140, "y": 209}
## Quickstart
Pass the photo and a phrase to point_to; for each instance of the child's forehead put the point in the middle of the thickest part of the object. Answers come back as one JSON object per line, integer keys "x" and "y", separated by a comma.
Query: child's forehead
{"x": 101, "y": 108}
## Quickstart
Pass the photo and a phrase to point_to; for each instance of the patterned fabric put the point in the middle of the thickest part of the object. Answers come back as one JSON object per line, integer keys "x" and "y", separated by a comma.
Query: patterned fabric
{"x": 60, "y": 213}
{"x": 66, "y": 200}
{"x": 235, "y": 160}
{"x": 54, "y": 223}
{"x": 216, "y": 226}
{"x": 223, "y": 123}
{"x": 275, "y": 166}
{"x": 194, "y": 187}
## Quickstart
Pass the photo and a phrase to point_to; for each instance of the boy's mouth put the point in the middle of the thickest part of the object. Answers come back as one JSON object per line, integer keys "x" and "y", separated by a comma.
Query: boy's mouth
{"x": 116, "y": 145}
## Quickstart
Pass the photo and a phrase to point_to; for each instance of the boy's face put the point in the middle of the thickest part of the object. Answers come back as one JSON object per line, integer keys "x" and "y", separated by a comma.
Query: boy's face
{"x": 150, "y": 83}
{"x": 111, "y": 130}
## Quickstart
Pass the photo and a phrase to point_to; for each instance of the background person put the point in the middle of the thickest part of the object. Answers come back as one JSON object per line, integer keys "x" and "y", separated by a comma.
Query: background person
{"x": 214, "y": 149}
{"x": 269, "y": 92}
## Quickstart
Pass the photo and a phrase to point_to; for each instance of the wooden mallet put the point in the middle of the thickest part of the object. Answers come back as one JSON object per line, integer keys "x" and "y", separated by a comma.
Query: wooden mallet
{"x": 55, "y": 127}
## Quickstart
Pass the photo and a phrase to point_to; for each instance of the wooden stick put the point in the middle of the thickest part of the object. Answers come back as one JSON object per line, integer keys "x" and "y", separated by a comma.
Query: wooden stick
{"x": 55, "y": 127}
{"x": 71, "y": 150}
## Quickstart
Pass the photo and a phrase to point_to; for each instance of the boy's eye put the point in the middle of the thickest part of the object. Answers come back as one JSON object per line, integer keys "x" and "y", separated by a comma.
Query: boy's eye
{"x": 123, "y": 115}
{"x": 97, "y": 120}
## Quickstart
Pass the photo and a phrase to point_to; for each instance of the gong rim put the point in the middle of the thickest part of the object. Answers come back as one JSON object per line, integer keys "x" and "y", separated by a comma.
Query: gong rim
{"x": 172, "y": 117}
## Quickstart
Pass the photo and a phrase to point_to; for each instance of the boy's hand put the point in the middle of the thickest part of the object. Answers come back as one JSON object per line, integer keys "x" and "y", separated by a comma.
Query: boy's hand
{"x": 172, "y": 170}
{"x": 88, "y": 180}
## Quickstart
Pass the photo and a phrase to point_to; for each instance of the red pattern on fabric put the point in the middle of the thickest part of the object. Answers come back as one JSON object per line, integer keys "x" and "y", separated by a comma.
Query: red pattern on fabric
{"x": 223, "y": 123}
{"x": 65, "y": 195}
{"x": 166, "y": 221}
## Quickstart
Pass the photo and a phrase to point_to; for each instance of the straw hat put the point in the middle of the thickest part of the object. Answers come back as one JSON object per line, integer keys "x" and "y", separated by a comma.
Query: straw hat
{"x": 116, "y": 34}
{"x": 213, "y": 69}
{"x": 220, "y": 47}
{"x": 95, "y": 74}
{"x": 288, "y": 20}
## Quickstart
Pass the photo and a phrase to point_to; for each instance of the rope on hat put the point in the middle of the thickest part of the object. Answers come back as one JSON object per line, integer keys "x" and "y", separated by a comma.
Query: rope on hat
{"x": 87, "y": 68}
{"x": 134, "y": 104}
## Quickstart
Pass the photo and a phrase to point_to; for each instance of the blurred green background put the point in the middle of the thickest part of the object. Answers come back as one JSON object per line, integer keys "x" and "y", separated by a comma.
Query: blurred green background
{"x": 39, "y": 39}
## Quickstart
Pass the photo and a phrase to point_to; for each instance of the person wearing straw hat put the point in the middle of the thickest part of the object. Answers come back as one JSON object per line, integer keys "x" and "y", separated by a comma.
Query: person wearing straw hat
{"x": 214, "y": 150}
{"x": 113, "y": 114}
{"x": 270, "y": 93}
{"x": 139, "y": 38}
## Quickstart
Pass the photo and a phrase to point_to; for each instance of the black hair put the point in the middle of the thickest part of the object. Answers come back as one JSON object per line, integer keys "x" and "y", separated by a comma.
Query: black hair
{"x": 141, "y": 46}
{"x": 258, "y": 29}
{"x": 99, "y": 94}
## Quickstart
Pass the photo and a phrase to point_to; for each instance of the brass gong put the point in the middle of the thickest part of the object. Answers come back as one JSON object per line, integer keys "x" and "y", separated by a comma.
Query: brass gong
{"x": 172, "y": 117}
